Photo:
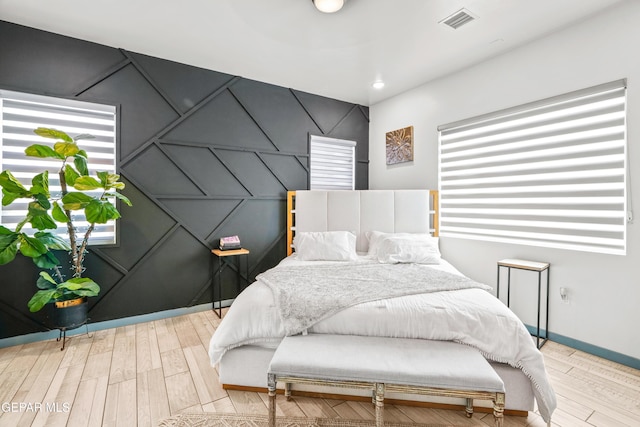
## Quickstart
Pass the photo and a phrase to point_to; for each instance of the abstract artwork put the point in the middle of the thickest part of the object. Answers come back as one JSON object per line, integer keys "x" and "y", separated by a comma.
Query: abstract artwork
{"x": 400, "y": 145}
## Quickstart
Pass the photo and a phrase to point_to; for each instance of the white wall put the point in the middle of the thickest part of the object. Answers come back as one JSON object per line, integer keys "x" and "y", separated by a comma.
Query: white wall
{"x": 604, "y": 290}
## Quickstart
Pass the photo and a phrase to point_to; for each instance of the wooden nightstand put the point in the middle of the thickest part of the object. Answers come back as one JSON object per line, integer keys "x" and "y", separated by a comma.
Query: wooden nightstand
{"x": 222, "y": 256}
{"x": 539, "y": 267}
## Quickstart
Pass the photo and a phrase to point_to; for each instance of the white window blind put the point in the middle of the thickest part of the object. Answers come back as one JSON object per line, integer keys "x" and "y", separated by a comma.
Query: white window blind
{"x": 20, "y": 114}
{"x": 332, "y": 163}
{"x": 550, "y": 173}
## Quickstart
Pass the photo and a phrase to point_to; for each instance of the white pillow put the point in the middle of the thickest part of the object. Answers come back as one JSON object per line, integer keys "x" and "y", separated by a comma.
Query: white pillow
{"x": 325, "y": 246}
{"x": 376, "y": 237}
{"x": 413, "y": 249}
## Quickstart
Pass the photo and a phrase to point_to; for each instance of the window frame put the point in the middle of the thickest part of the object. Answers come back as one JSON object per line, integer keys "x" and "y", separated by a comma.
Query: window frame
{"x": 96, "y": 107}
{"x": 341, "y": 146}
{"x": 474, "y": 155}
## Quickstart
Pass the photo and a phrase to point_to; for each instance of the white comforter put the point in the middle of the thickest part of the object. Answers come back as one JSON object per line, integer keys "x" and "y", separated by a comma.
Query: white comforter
{"x": 470, "y": 316}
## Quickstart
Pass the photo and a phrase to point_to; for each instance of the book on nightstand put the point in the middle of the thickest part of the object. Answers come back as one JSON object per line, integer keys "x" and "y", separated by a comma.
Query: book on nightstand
{"x": 229, "y": 243}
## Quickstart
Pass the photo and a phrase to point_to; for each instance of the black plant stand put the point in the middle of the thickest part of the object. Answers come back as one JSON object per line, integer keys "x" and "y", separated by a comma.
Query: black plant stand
{"x": 63, "y": 333}
{"x": 67, "y": 316}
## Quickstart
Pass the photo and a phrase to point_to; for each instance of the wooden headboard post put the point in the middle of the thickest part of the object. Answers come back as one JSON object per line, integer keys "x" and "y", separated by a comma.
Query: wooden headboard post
{"x": 434, "y": 227}
{"x": 291, "y": 195}
{"x": 435, "y": 212}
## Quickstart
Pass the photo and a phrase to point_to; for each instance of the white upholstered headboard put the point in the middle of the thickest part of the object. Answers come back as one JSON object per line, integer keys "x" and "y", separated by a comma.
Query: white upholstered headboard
{"x": 391, "y": 211}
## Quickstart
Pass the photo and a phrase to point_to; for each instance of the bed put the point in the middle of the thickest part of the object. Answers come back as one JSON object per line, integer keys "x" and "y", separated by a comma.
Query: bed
{"x": 366, "y": 263}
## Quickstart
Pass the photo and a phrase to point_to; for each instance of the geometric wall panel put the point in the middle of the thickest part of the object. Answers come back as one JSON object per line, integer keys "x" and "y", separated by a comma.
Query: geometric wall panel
{"x": 258, "y": 179}
{"x": 166, "y": 179}
{"x": 143, "y": 110}
{"x": 288, "y": 169}
{"x": 184, "y": 85}
{"x": 273, "y": 105}
{"x": 222, "y": 122}
{"x": 27, "y": 61}
{"x": 326, "y": 112}
{"x": 201, "y": 216}
{"x": 204, "y": 154}
{"x": 141, "y": 227}
{"x": 204, "y": 167}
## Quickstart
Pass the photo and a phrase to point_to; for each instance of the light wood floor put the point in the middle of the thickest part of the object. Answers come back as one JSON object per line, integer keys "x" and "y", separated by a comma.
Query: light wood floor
{"x": 140, "y": 374}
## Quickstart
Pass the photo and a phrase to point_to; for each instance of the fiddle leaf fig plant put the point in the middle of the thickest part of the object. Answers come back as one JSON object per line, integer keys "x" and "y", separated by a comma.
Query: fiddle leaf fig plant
{"x": 45, "y": 210}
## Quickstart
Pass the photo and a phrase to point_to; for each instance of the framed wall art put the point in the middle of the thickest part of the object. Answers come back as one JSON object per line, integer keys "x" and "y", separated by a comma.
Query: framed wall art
{"x": 400, "y": 145}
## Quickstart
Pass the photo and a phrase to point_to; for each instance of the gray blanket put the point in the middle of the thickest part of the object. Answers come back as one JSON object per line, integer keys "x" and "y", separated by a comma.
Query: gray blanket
{"x": 306, "y": 295}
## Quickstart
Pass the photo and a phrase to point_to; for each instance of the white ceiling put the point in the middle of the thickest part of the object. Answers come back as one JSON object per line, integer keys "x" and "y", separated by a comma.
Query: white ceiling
{"x": 289, "y": 43}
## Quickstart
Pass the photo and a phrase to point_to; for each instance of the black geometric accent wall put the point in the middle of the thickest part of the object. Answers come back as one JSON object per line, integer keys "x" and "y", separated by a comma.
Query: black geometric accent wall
{"x": 204, "y": 155}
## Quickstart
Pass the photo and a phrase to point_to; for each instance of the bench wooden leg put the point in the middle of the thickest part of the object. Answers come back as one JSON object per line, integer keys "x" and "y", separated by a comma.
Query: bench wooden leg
{"x": 271, "y": 384}
{"x": 379, "y": 394}
{"x": 469, "y": 408}
{"x": 498, "y": 409}
{"x": 287, "y": 391}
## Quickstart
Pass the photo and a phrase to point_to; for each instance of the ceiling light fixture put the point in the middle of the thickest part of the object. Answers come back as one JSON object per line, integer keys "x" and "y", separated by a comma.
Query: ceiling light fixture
{"x": 379, "y": 84}
{"x": 328, "y": 6}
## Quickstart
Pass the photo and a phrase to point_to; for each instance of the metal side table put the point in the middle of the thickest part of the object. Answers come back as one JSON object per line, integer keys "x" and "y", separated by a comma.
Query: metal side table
{"x": 539, "y": 267}
{"x": 221, "y": 256}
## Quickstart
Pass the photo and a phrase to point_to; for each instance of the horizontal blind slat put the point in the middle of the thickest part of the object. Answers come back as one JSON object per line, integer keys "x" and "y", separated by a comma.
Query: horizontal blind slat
{"x": 20, "y": 115}
{"x": 550, "y": 173}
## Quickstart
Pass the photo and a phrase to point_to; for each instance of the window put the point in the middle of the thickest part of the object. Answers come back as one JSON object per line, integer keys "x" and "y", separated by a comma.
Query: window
{"x": 550, "y": 173}
{"x": 332, "y": 163}
{"x": 21, "y": 113}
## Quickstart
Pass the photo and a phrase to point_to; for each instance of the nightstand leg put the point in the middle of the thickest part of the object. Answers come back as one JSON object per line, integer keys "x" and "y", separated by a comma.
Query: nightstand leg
{"x": 508, "y": 286}
{"x": 218, "y": 273}
{"x": 539, "y": 290}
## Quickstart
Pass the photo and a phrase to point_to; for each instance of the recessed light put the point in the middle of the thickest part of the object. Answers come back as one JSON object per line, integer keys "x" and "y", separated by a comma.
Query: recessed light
{"x": 379, "y": 84}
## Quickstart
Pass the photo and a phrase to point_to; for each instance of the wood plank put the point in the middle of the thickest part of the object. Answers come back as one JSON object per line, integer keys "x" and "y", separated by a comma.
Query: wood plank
{"x": 574, "y": 408}
{"x": 83, "y": 405}
{"x": 123, "y": 361}
{"x": 154, "y": 349}
{"x": 99, "y": 399}
{"x": 185, "y": 331}
{"x": 356, "y": 411}
{"x": 247, "y": 402}
{"x": 575, "y": 391}
{"x": 7, "y": 354}
{"x": 26, "y": 357}
{"x": 110, "y": 417}
{"x": 167, "y": 338}
{"x": 34, "y": 388}
{"x": 103, "y": 341}
{"x": 159, "y": 407}
{"x": 203, "y": 327}
{"x": 42, "y": 418}
{"x": 121, "y": 404}
{"x": 224, "y": 405}
{"x": 127, "y": 403}
{"x": 204, "y": 376}
{"x": 422, "y": 415}
{"x": 144, "y": 402}
{"x": 143, "y": 348}
{"x": 601, "y": 420}
{"x": 173, "y": 362}
{"x": 181, "y": 392}
{"x": 313, "y": 407}
{"x": 98, "y": 365}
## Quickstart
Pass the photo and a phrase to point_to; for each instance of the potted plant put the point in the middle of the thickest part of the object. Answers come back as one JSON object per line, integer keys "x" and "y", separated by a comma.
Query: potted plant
{"x": 78, "y": 192}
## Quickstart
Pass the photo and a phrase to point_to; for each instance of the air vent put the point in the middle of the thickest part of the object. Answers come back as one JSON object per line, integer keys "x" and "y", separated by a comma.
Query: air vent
{"x": 458, "y": 19}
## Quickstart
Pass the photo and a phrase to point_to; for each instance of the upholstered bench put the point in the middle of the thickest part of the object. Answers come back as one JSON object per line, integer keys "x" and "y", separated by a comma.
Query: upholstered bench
{"x": 411, "y": 366}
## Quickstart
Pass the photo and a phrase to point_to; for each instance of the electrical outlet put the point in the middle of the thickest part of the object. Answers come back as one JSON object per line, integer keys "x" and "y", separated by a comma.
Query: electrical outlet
{"x": 564, "y": 295}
